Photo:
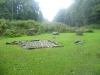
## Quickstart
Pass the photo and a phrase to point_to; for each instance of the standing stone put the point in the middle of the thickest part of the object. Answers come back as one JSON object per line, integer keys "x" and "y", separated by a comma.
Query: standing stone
{"x": 79, "y": 32}
{"x": 55, "y": 33}
{"x": 31, "y": 32}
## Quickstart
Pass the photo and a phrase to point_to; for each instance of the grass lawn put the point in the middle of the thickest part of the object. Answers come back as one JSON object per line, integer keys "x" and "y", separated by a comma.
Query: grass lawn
{"x": 72, "y": 59}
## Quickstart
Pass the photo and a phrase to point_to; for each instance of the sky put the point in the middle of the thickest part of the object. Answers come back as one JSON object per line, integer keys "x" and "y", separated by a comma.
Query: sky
{"x": 49, "y": 8}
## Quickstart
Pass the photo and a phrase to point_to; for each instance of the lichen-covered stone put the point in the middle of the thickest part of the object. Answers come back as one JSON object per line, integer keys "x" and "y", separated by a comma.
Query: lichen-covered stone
{"x": 79, "y": 32}
{"x": 55, "y": 33}
{"x": 31, "y": 32}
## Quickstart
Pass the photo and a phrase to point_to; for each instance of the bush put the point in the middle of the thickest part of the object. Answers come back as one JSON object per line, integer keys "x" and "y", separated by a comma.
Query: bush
{"x": 52, "y": 27}
{"x": 17, "y": 28}
{"x": 11, "y": 33}
{"x": 88, "y": 31}
{"x": 93, "y": 26}
{"x": 72, "y": 29}
{"x": 3, "y": 25}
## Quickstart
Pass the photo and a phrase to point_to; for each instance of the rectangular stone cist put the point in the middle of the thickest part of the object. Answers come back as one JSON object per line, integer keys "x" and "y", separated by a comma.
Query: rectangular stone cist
{"x": 34, "y": 44}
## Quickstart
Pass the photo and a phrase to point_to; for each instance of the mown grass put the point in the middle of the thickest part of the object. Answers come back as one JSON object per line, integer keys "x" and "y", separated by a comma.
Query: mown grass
{"x": 72, "y": 59}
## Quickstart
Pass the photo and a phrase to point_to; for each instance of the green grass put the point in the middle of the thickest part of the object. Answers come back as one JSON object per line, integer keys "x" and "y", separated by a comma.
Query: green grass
{"x": 71, "y": 59}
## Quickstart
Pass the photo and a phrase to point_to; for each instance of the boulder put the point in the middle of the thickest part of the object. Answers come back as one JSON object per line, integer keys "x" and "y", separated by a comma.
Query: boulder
{"x": 31, "y": 32}
{"x": 79, "y": 32}
{"x": 55, "y": 33}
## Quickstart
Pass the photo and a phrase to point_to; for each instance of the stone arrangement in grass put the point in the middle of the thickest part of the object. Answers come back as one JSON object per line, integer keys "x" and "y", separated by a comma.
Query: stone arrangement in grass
{"x": 34, "y": 44}
{"x": 78, "y": 42}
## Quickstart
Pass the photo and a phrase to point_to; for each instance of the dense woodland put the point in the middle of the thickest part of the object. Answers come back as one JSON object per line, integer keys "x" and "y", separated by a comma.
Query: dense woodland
{"x": 20, "y": 10}
{"x": 18, "y": 16}
{"x": 81, "y": 12}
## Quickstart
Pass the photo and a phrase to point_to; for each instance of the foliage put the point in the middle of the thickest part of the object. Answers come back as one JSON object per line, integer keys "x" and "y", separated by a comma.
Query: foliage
{"x": 3, "y": 25}
{"x": 11, "y": 33}
{"x": 92, "y": 26}
{"x": 22, "y": 27}
{"x": 54, "y": 26}
{"x": 80, "y": 13}
{"x": 20, "y": 10}
{"x": 14, "y": 28}
{"x": 72, "y": 29}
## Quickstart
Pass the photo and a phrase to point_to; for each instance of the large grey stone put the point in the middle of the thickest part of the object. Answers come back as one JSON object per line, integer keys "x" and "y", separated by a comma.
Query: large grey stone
{"x": 31, "y": 32}
{"x": 79, "y": 32}
{"x": 55, "y": 33}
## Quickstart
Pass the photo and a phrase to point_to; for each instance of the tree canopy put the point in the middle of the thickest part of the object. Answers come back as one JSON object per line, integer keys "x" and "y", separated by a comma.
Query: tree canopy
{"x": 20, "y": 10}
{"x": 81, "y": 12}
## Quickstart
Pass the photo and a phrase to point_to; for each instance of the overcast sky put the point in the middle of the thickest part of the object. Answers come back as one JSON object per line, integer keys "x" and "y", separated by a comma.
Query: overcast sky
{"x": 49, "y": 8}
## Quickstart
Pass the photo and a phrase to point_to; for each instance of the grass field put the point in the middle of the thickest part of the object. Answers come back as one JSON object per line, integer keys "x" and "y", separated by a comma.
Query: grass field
{"x": 72, "y": 59}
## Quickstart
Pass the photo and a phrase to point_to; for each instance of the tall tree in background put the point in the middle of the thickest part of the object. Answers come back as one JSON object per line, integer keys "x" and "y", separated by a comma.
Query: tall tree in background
{"x": 22, "y": 10}
{"x": 81, "y": 12}
{"x": 4, "y": 11}
{"x": 60, "y": 16}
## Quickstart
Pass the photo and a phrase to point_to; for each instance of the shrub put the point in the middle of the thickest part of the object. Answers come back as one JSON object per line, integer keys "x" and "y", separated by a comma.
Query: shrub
{"x": 11, "y": 33}
{"x": 72, "y": 29}
{"x": 15, "y": 28}
{"x": 53, "y": 26}
{"x": 93, "y": 26}
{"x": 88, "y": 31}
{"x": 3, "y": 25}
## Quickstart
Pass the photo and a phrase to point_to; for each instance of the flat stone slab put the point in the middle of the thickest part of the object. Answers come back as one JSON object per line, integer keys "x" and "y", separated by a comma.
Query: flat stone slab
{"x": 34, "y": 44}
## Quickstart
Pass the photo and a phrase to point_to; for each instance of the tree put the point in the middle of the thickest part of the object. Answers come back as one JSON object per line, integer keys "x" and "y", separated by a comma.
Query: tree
{"x": 60, "y": 16}
{"x": 5, "y": 12}
{"x": 81, "y": 12}
{"x": 22, "y": 10}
